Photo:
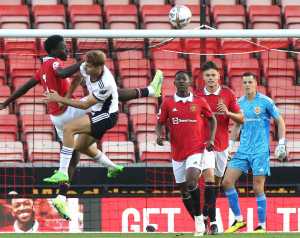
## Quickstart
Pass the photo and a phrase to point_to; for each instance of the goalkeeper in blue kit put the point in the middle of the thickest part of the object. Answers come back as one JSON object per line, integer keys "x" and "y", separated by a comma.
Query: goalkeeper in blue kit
{"x": 254, "y": 150}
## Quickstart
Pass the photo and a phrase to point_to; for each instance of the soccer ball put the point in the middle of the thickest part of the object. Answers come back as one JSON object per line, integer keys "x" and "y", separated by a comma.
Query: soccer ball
{"x": 180, "y": 16}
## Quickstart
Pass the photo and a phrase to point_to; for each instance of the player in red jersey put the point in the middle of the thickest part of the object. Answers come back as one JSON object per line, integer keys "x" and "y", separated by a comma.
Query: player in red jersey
{"x": 183, "y": 114}
{"x": 52, "y": 75}
{"x": 223, "y": 103}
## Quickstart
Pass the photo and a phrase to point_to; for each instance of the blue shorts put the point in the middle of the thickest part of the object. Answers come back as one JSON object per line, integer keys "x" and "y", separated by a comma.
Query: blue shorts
{"x": 259, "y": 163}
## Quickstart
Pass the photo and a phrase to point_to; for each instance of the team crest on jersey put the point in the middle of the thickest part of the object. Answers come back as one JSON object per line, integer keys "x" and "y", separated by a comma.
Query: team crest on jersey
{"x": 257, "y": 110}
{"x": 193, "y": 108}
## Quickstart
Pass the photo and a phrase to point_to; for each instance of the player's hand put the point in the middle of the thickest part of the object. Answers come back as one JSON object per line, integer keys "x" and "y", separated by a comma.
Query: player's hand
{"x": 210, "y": 145}
{"x": 281, "y": 151}
{"x": 52, "y": 96}
{"x": 221, "y": 107}
{"x": 2, "y": 106}
{"x": 159, "y": 141}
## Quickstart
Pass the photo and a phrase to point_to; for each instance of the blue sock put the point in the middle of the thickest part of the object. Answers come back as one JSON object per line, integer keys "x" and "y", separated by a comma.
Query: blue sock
{"x": 233, "y": 200}
{"x": 261, "y": 208}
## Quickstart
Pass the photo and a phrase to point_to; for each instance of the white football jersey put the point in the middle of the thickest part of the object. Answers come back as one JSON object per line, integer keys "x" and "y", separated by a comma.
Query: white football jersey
{"x": 104, "y": 89}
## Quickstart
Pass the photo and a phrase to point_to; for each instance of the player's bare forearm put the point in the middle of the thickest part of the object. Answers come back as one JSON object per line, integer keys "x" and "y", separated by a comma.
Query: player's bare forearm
{"x": 235, "y": 131}
{"x": 68, "y": 71}
{"x": 281, "y": 127}
{"x": 20, "y": 91}
{"x": 236, "y": 117}
{"x": 212, "y": 121}
{"x": 159, "y": 128}
{"x": 75, "y": 83}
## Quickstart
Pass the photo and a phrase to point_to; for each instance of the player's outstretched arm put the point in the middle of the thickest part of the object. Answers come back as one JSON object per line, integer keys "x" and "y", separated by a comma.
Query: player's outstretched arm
{"x": 53, "y": 96}
{"x": 75, "y": 82}
{"x": 68, "y": 71}
{"x": 159, "y": 128}
{"x": 19, "y": 92}
{"x": 212, "y": 121}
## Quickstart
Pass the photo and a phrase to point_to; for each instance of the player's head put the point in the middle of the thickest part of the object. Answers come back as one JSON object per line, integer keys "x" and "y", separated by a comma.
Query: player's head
{"x": 22, "y": 210}
{"x": 94, "y": 62}
{"x": 56, "y": 46}
{"x": 182, "y": 81}
{"x": 249, "y": 83}
{"x": 211, "y": 75}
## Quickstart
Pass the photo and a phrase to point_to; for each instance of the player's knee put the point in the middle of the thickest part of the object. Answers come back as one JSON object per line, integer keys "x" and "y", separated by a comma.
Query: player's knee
{"x": 258, "y": 188}
{"x": 227, "y": 183}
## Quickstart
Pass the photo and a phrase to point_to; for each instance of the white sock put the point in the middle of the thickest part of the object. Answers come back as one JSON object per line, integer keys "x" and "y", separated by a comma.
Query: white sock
{"x": 263, "y": 225}
{"x": 151, "y": 91}
{"x": 239, "y": 218}
{"x": 103, "y": 159}
{"x": 62, "y": 197}
{"x": 65, "y": 158}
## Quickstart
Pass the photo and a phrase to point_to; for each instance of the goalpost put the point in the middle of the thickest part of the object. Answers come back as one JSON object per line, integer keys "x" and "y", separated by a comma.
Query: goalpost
{"x": 146, "y": 194}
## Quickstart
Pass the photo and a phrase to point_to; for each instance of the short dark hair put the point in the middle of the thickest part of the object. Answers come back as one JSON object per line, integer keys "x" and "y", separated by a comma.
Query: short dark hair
{"x": 52, "y": 42}
{"x": 247, "y": 74}
{"x": 182, "y": 72}
{"x": 209, "y": 65}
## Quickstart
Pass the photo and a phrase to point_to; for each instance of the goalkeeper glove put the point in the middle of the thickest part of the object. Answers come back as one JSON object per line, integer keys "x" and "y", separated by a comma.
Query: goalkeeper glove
{"x": 280, "y": 151}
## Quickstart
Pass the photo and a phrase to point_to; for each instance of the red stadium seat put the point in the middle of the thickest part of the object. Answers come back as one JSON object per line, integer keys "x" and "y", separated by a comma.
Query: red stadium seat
{"x": 14, "y": 16}
{"x": 273, "y": 55}
{"x": 116, "y": 2}
{"x": 145, "y": 137}
{"x": 279, "y": 68}
{"x": 32, "y": 124}
{"x": 210, "y": 46}
{"x": 222, "y": 2}
{"x": 114, "y": 136}
{"x": 258, "y": 2}
{"x": 142, "y": 3}
{"x": 5, "y": 93}
{"x": 12, "y": 2}
{"x": 43, "y": 2}
{"x": 237, "y": 49}
{"x": 130, "y": 54}
{"x": 195, "y": 20}
{"x": 292, "y": 17}
{"x": 169, "y": 68}
{"x": 121, "y": 16}
{"x": 121, "y": 126}
{"x": 287, "y": 3}
{"x": 43, "y": 151}
{"x": 134, "y": 68}
{"x": 80, "y": 2}
{"x": 286, "y": 95}
{"x": 49, "y": 16}
{"x": 119, "y": 152}
{"x": 229, "y": 17}
{"x": 293, "y": 148}
{"x": 2, "y": 72}
{"x": 152, "y": 153}
{"x": 11, "y": 151}
{"x": 236, "y": 68}
{"x": 8, "y": 128}
{"x": 156, "y": 16}
{"x": 143, "y": 122}
{"x": 271, "y": 43}
{"x": 20, "y": 45}
{"x": 85, "y": 16}
{"x": 265, "y": 17}
{"x": 86, "y": 44}
{"x": 134, "y": 82}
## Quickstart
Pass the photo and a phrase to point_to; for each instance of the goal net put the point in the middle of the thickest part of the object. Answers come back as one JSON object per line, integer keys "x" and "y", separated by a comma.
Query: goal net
{"x": 145, "y": 194}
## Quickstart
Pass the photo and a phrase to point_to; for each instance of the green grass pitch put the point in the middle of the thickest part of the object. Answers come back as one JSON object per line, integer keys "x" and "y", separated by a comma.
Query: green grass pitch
{"x": 144, "y": 235}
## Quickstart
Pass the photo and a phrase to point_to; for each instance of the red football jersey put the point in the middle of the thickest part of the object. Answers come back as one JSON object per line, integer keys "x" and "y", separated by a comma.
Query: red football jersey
{"x": 184, "y": 117}
{"x": 226, "y": 95}
{"x": 49, "y": 79}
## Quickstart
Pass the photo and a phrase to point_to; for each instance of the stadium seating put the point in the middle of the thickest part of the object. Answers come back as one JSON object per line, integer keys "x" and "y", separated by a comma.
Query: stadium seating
{"x": 49, "y": 16}
{"x": 133, "y": 62}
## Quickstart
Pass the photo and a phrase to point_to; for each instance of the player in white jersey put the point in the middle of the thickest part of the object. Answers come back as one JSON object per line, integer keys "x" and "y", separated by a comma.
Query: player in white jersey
{"x": 103, "y": 102}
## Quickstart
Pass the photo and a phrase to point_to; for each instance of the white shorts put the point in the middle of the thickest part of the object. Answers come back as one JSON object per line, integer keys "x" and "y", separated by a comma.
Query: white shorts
{"x": 220, "y": 158}
{"x": 70, "y": 114}
{"x": 196, "y": 161}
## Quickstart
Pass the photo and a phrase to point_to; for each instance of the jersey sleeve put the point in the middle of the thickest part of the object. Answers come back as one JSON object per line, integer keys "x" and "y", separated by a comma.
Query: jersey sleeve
{"x": 163, "y": 113}
{"x": 272, "y": 109}
{"x": 205, "y": 108}
{"x": 233, "y": 105}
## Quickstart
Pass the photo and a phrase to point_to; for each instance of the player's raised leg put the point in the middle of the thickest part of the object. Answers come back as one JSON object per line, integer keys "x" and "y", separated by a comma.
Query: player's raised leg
{"x": 231, "y": 176}
{"x": 77, "y": 126}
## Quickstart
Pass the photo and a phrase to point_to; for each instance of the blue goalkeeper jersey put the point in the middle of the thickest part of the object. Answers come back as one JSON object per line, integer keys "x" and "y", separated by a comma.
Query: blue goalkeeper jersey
{"x": 255, "y": 131}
